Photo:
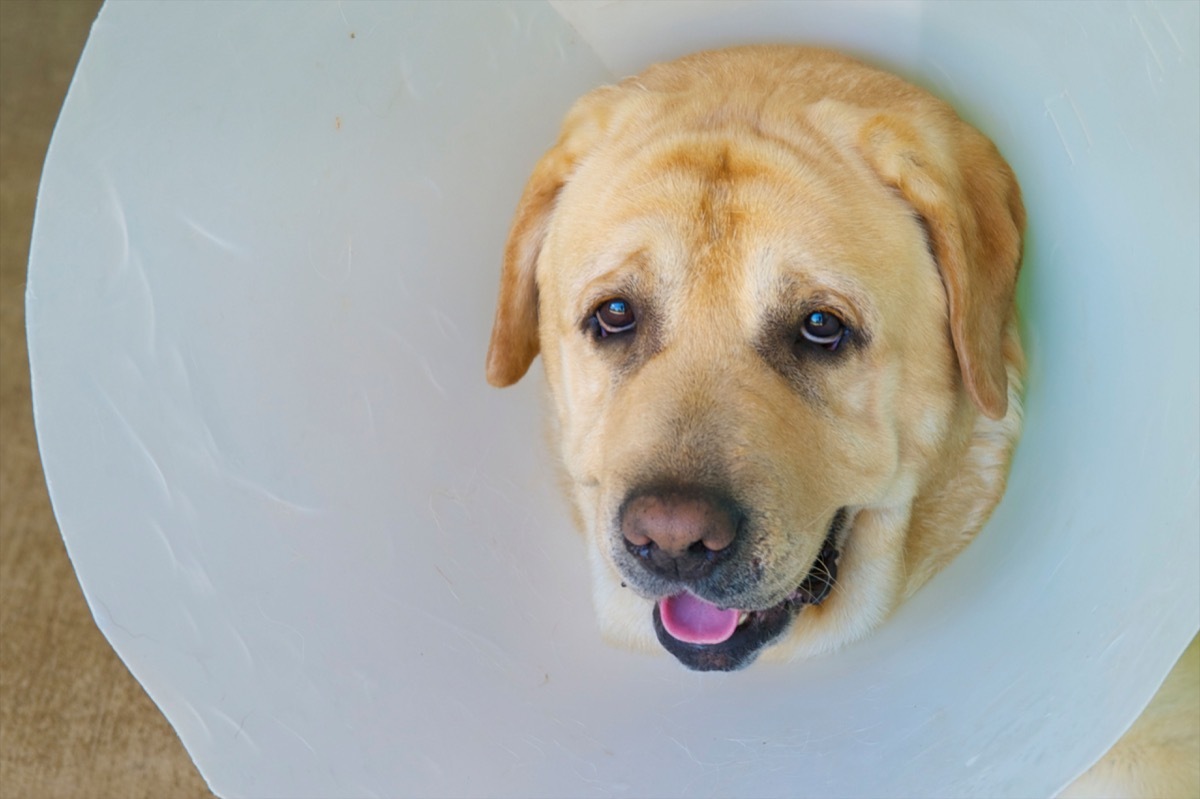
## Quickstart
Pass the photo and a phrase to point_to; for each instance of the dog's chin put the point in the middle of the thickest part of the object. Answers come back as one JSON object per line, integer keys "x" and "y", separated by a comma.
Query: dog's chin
{"x": 725, "y": 647}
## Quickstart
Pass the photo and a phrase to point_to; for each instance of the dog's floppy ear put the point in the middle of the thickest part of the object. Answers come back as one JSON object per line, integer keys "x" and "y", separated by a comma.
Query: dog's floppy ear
{"x": 514, "y": 341}
{"x": 968, "y": 198}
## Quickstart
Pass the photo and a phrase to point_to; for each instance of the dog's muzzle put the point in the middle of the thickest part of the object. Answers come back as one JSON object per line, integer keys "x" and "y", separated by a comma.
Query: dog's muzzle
{"x": 682, "y": 539}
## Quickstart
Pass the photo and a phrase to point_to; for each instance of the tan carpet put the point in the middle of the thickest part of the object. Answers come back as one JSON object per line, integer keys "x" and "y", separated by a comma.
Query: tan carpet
{"x": 73, "y": 722}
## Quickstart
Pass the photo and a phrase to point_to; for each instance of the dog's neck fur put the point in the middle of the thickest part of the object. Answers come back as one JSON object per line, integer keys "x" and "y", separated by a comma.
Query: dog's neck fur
{"x": 953, "y": 505}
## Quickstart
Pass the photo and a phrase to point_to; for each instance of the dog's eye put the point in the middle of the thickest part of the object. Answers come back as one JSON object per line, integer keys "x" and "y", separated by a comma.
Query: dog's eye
{"x": 615, "y": 316}
{"x": 823, "y": 328}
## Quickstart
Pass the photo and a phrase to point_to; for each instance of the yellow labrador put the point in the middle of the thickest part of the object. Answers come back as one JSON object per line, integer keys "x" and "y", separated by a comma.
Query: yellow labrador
{"x": 772, "y": 289}
{"x": 773, "y": 292}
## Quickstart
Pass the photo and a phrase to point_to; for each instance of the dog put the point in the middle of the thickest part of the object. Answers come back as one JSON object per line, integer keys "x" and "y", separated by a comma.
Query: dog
{"x": 773, "y": 292}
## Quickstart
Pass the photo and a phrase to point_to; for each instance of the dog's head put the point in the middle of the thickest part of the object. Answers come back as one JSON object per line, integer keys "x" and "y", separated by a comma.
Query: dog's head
{"x": 772, "y": 289}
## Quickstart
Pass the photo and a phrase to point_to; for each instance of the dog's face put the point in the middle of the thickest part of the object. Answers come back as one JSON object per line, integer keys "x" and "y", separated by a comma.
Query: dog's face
{"x": 765, "y": 332}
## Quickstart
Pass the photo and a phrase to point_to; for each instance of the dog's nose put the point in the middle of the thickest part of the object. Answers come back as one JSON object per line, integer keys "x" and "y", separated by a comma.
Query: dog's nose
{"x": 679, "y": 535}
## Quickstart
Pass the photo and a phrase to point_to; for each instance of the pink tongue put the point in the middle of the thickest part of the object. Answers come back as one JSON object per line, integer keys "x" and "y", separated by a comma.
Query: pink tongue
{"x": 695, "y": 621}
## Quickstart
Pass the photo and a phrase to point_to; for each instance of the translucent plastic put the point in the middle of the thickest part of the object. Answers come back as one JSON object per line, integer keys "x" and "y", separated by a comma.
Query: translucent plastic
{"x": 264, "y": 263}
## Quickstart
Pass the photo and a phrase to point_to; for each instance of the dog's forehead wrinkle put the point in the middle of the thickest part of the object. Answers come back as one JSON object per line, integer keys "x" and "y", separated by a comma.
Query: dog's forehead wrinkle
{"x": 792, "y": 132}
{"x": 731, "y": 247}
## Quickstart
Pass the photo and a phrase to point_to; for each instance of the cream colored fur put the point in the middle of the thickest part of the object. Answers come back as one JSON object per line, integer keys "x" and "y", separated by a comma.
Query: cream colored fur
{"x": 719, "y": 194}
{"x": 1159, "y": 757}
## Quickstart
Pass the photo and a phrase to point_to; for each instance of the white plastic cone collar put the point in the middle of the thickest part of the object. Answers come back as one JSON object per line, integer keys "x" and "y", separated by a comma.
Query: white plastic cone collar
{"x": 263, "y": 269}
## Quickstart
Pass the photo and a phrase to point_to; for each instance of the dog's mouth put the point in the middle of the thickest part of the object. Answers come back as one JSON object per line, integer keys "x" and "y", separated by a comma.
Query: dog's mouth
{"x": 705, "y": 637}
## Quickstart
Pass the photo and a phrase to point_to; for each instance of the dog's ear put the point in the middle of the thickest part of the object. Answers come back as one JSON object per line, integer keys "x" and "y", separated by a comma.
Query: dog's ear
{"x": 969, "y": 201}
{"x": 514, "y": 341}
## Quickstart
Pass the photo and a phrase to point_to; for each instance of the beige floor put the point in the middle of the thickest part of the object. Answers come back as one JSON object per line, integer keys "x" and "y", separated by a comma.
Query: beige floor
{"x": 73, "y": 722}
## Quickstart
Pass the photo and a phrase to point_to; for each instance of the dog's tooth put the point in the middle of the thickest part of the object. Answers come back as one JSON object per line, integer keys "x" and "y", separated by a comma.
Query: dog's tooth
{"x": 743, "y": 616}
